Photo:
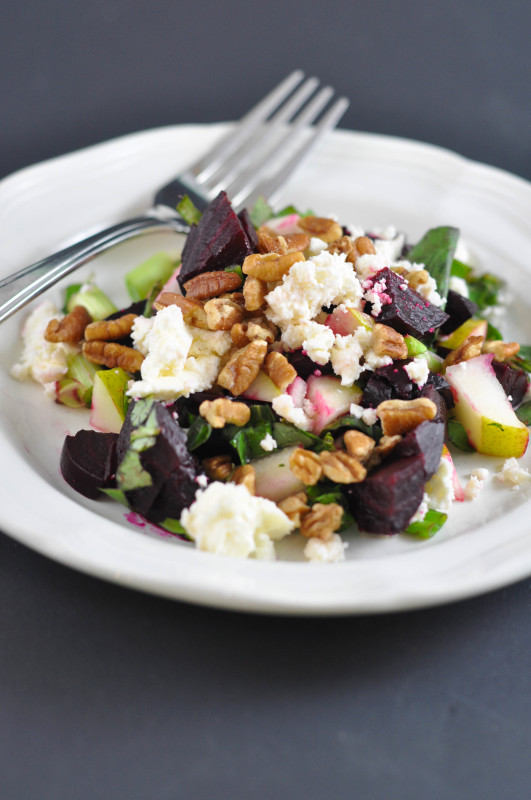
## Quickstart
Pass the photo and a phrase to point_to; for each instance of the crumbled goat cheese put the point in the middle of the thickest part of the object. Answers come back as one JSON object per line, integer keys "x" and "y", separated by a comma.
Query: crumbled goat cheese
{"x": 225, "y": 519}
{"x": 390, "y": 245}
{"x": 418, "y": 371}
{"x": 376, "y": 295}
{"x": 268, "y": 443}
{"x": 178, "y": 359}
{"x": 346, "y": 354}
{"x": 458, "y": 285}
{"x": 42, "y": 361}
{"x": 473, "y": 487}
{"x": 316, "y": 246}
{"x": 202, "y": 481}
{"x": 284, "y": 406}
{"x": 513, "y": 474}
{"x": 325, "y": 552}
{"x": 367, "y": 415}
{"x": 440, "y": 488}
{"x": 369, "y": 264}
{"x": 326, "y": 279}
{"x": 421, "y": 511}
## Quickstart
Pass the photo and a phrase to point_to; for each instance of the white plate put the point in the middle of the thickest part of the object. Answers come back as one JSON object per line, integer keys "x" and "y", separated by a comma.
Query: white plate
{"x": 365, "y": 179}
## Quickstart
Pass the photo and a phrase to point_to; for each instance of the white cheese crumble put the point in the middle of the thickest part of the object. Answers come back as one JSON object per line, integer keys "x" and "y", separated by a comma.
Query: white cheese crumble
{"x": 418, "y": 371}
{"x": 268, "y": 443}
{"x": 225, "y": 519}
{"x": 328, "y": 552}
{"x": 316, "y": 246}
{"x": 391, "y": 244}
{"x": 513, "y": 474}
{"x": 367, "y": 415}
{"x": 475, "y": 483}
{"x": 179, "y": 359}
{"x": 458, "y": 285}
{"x": 440, "y": 488}
{"x": 421, "y": 511}
{"x": 284, "y": 406}
{"x": 42, "y": 361}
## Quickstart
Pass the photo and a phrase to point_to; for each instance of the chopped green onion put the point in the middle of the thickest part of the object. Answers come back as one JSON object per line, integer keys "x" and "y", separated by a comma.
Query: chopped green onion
{"x": 98, "y": 305}
{"x": 155, "y": 270}
{"x": 188, "y": 211}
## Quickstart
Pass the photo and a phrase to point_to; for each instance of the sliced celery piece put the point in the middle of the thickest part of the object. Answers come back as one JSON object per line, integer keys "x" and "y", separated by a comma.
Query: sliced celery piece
{"x": 95, "y": 301}
{"x": 414, "y": 347}
{"x": 156, "y": 269}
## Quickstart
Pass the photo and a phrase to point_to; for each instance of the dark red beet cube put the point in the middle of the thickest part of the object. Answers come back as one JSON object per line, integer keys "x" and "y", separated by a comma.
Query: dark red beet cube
{"x": 424, "y": 442}
{"x": 514, "y": 381}
{"x": 459, "y": 309}
{"x": 219, "y": 240}
{"x": 88, "y": 462}
{"x": 405, "y": 310}
{"x": 387, "y": 499}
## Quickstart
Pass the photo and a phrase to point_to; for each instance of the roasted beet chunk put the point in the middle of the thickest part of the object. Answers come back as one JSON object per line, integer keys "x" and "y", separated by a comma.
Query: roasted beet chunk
{"x": 405, "y": 310}
{"x": 514, "y": 382}
{"x": 88, "y": 462}
{"x": 424, "y": 442}
{"x": 459, "y": 309}
{"x": 387, "y": 499}
{"x": 154, "y": 468}
{"x": 218, "y": 241}
{"x": 248, "y": 227}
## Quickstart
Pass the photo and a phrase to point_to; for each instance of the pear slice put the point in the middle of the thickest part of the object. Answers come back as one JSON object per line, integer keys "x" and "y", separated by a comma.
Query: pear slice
{"x": 484, "y": 410}
{"x": 108, "y": 400}
{"x": 472, "y": 327}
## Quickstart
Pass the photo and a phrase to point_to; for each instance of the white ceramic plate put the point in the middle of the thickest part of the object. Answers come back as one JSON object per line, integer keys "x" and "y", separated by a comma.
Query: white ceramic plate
{"x": 365, "y": 179}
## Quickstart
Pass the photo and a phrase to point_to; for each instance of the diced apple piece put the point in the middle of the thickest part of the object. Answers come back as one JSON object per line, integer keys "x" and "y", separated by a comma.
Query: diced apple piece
{"x": 459, "y": 493}
{"x": 472, "y": 327}
{"x": 262, "y": 388}
{"x": 297, "y": 391}
{"x": 483, "y": 409}
{"x": 330, "y": 399}
{"x": 108, "y": 400}
{"x": 274, "y": 479}
{"x": 344, "y": 321}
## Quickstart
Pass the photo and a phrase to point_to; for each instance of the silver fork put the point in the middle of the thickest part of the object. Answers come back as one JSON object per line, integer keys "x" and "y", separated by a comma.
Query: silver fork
{"x": 256, "y": 158}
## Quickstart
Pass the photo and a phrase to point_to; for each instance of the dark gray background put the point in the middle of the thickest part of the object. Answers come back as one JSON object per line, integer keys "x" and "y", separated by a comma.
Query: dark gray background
{"x": 109, "y": 693}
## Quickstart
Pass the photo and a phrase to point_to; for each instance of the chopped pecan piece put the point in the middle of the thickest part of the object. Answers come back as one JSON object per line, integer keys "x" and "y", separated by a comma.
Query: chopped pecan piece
{"x": 321, "y": 521}
{"x": 295, "y": 507}
{"x": 417, "y": 278}
{"x": 242, "y": 367}
{"x": 388, "y": 342}
{"x": 109, "y": 329}
{"x": 470, "y": 348}
{"x": 502, "y": 350}
{"x": 70, "y": 328}
{"x": 401, "y": 416}
{"x": 306, "y": 466}
{"x": 342, "y": 468}
{"x": 192, "y": 310}
{"x": 212, "y": 284}
{"x": 112, "y": 354}
{"x": 270, "y": 266}
{"x": 254, "y": 293}
{"x": 245, "y": 476}
{"x": 223, "y": 410}
{"x": 218, "y": 468}
{"x": 321, "y": 227}
{"x": 385, "y": 446}
{"x": 358, "y": 444}
{"x": 281, "y": 372}
{"x": 222, "y": 313}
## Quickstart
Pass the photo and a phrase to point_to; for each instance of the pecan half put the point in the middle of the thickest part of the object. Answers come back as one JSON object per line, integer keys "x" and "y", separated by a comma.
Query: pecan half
{"x": 388, "y": 342}
{"x": 222, "y": 313}
{"x": 501, "y": 350}
{"x": 342, "y": 468}
{"x": 295, "y": 507}
{"x": 270, "y": 266}
{"x": 470, "y": 348}
{"x": 192, "y": 310}
{"x": 212, "y": 284}
{"x": 242, "y": 367}
{"x": 417, "y": 278}
{"x": 321, "y": 521}
{"x": 223, "y": 410}
{"x": 70, "y": 328}
{"x": 254, "y": 293}
{"x": 218, "y": 468}
{"x": 110, "y": 328}
{"x": 358, "y": 444}
{"x": 306, "y": 466}
{"x": 245, "y": 476}
{"x": 321, "y": 227}
{"x": 112, "y": 354}
{"x": 401, "y": 416}
{"x": 281, "y": 372}
{"x": 385, "y": 446}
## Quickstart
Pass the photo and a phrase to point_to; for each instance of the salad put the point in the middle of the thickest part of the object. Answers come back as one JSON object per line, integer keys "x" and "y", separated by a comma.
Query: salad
{"x": 289, "y": 375}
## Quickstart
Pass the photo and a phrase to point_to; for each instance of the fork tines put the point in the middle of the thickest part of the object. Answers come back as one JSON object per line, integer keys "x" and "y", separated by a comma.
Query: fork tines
{"x": 270, "y": 142}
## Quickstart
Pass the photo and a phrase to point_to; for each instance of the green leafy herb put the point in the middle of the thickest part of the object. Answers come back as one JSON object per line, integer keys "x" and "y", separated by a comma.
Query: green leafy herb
{"x": 236, "y": 269}
{"x": 483, "y": 290}
{"x": 260, "y": 212}
{"x": 116, "y": 494}
{"x": 457, "y": 436}
{"x": 293, "y": 210}
{"x": 188, "y": 211}
{"x": 287, "y": 435}
{"x": 524, "y": 413}
{"x": 350, "y": 421}
{"x": 428, "y": 527}
{"x": 493, "y": 333}
{"x": 436, "y": 251}
{"x": 198, "y": 433}
{"x": 460, "y": 270}
{"x": 522, "y": 360}
{"x": 174, "y": 526}
{"x": 330, "y": 493}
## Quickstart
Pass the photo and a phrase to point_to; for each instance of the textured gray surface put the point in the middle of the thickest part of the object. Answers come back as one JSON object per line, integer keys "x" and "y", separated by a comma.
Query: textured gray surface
{"x": 112, "y": 694}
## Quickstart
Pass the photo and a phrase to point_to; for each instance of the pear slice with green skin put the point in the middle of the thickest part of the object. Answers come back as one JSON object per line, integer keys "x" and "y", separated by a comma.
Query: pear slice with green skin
{"x": 109, "y": 402}
{"x": 472, "y": 327}
{"x": 484, "y": 410}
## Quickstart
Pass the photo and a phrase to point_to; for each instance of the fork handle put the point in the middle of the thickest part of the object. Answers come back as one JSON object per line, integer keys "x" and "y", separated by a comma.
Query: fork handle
{"x": 25, "y": 285}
